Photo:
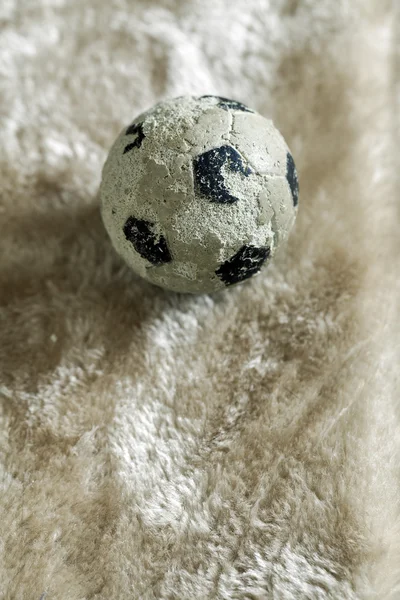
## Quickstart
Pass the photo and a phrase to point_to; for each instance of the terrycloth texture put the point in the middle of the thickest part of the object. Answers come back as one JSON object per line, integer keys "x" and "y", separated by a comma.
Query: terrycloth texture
{"x": 239, "y": 446}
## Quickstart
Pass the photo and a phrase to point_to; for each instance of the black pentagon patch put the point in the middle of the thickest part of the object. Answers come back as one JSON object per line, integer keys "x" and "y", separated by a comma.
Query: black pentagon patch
{"x": 227, "y": 104}
{"x": 209, "y": 179}
{"x": 146, "y": 242}
{"x": 244, "y": 264}
{"x": 291, "y": 176}
{"x": 135, "y": 129}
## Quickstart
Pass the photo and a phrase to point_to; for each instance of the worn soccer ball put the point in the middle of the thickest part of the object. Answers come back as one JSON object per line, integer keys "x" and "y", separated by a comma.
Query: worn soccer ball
{"x": 198, "y": 193}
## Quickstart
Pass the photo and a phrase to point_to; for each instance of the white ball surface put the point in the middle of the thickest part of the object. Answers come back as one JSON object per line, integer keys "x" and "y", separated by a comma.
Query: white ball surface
{"x": 198, "y": 193}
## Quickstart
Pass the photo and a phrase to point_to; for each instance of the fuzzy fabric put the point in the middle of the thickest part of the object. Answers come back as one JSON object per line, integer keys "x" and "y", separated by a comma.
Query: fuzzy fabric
{"x": 244, "y": 445}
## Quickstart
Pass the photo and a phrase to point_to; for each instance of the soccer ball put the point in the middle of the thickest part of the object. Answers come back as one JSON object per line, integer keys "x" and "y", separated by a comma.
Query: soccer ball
{"x": 198, "y": 193}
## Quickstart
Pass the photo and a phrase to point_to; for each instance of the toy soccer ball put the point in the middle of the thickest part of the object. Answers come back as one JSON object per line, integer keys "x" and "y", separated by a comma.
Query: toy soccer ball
{"x": 198, "y": 193}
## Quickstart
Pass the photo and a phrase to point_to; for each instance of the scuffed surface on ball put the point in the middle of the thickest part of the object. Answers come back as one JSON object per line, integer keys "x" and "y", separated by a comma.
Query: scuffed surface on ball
{"x": 198, "y": 193}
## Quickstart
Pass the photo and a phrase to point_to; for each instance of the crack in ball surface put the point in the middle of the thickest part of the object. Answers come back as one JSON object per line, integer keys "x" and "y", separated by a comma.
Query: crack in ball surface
{"x": 208, "y": 173}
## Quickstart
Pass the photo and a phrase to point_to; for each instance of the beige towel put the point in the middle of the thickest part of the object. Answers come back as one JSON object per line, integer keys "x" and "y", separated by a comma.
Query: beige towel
{"x": 238, "y": 446}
